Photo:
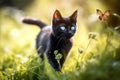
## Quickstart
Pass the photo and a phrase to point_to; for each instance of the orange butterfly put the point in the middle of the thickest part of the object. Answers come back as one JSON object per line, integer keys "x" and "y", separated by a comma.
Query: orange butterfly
{"x": 103, "y": 16}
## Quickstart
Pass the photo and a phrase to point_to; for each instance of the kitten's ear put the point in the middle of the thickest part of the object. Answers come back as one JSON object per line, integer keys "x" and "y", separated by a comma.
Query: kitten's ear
{"x": 74, "y": 16}
{"x": 57, "y": 15}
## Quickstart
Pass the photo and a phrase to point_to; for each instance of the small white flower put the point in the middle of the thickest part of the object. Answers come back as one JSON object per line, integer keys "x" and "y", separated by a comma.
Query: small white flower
{"x": 115, "y": 64}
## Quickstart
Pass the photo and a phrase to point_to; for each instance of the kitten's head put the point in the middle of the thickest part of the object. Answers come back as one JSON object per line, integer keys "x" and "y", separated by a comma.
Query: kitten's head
{"x": 64, "y": 27}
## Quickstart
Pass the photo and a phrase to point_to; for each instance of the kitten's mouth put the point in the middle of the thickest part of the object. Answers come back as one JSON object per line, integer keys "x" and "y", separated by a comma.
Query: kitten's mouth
{"x": 69, "y": 35}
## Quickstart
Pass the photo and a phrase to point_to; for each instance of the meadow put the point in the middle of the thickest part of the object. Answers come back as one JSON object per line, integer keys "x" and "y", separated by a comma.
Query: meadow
{"x": 95, "y": 54}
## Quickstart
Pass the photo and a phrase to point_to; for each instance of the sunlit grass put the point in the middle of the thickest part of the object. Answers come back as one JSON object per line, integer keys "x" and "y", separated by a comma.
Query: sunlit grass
{"x": 100, "y": 58}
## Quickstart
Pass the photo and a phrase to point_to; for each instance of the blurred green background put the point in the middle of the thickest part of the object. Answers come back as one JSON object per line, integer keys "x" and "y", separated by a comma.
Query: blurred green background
{"x": 100, "y": 59}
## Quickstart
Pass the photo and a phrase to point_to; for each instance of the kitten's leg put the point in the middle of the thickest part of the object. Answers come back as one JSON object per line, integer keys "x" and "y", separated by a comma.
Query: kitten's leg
{"x": 55, "y": 65}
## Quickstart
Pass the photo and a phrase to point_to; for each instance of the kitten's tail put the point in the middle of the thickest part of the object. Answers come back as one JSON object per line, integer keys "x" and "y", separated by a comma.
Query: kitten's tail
{"x": 34, "y": 22}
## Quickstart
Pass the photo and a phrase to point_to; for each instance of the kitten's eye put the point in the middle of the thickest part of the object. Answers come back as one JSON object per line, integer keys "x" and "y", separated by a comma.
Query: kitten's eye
{"x": 62, "y": 28}
{"x": 72, "y": 28}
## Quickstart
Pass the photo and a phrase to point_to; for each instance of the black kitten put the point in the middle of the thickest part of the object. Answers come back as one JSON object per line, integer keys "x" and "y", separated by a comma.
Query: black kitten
{"x": 56, "y": 37}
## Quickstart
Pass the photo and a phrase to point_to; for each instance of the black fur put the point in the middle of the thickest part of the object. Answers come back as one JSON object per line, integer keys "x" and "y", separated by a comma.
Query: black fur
{"x": 55, "y": 37}
{"x": 34, "y": 22}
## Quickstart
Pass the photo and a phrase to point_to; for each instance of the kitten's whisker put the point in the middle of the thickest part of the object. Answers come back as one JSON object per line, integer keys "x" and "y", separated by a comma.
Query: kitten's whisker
{"x": 60, "y": 36}
{"x": 39, "y": 48}
{"x": 59, "y": 39}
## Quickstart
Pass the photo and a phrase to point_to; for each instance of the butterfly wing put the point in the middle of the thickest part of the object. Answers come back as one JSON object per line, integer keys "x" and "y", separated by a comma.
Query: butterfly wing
{"x": 99, "y": 12}
{"x": 100, "y": 17}
{"x": 106, "y": 14}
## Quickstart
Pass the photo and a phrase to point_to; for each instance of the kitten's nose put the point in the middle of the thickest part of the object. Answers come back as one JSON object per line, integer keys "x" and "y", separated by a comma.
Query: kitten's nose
{"x": 70, "y": 32}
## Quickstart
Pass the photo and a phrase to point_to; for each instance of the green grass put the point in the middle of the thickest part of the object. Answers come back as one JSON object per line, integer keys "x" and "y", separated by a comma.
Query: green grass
{"x": 94, "y": 56}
